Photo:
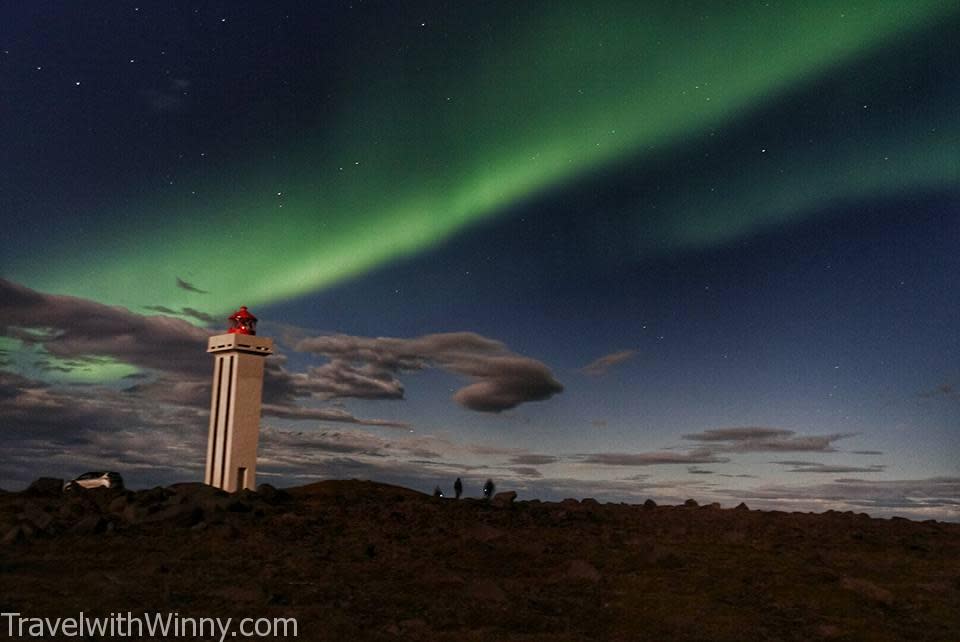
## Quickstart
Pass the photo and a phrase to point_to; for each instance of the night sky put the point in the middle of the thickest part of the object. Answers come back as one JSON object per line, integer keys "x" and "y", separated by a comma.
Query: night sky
{"x": 620, "y": 250}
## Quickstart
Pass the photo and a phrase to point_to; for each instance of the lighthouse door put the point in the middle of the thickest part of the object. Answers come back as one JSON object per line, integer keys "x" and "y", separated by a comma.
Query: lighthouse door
{"x": 241, "y": 478}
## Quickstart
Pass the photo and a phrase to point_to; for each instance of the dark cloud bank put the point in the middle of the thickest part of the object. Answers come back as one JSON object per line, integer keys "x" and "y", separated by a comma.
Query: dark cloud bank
{"x": 368, "y": 368}
{"x": 164, "y": 405}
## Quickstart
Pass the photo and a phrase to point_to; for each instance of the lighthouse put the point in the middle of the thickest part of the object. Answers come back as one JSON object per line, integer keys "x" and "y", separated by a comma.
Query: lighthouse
{"x": 235, "y": 403}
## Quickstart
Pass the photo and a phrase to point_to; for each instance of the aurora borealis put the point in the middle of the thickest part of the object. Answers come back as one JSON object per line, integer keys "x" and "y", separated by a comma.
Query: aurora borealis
{"x": 433, "y": 132}
{"x": 756, "y": 202}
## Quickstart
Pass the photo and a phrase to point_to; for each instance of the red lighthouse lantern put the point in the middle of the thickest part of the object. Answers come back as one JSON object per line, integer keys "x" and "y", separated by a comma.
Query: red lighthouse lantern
{"x": 242, "y": 322}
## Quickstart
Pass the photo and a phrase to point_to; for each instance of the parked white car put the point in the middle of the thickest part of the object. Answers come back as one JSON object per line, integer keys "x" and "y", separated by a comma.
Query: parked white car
{"x": 95, "y": 480}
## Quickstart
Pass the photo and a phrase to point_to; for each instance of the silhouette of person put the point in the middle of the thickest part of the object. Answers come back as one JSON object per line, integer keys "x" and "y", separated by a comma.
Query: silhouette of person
{"x": 458, "y": 488}
{"x": 437, "y": 492}
{"x": 488, "y": 489}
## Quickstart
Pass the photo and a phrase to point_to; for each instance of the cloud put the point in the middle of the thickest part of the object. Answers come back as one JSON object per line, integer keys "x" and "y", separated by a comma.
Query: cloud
{"x": 189, "y": 287}
{"x": 738, "y": 434}
{"x": 300, "y": 445}
{"x": 693, "y": 470}
{"x": 483, "y": 449}
{"x": 196, "y": 393}
{"x": 533, "y": 459}
{"x": 78, "y": 333}
{"x": 32, "y": 409}
{"x": 70, "y": 327}
{"x": 209, "y": 319}
{"x": 297, "y": 454}
{"x": 697, "y": 456}
{"x": 326, "y": 414}
{"x": 63, "y": 430}
{"x": 756, "y": 439}
{"x": 600, "y": 366}
{"x": 814, "y": 467}
{"x": 342, "y": 379}
{"x": 865, "y": 452}
{"x": 526, "y": 471}
{"x": 173, "y": 390}
{"x": 368, "y": 368}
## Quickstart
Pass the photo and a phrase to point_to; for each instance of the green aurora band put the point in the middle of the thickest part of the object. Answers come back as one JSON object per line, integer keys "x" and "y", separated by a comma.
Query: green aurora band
{"x": 436, "y": 140}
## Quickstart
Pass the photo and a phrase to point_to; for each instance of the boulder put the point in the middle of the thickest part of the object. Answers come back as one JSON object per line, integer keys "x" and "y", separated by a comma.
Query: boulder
{"x": 869, "y": 590}
{"x": 505, "y": 498}
{"x": 649, "y": 504}
{"x": 191, "y": 490}
{"x": 271, "y": 494}
{"x": 17, "y": 534}
{"x": 71, "y": 512}
{"x": 90, "y": 525}
{"x": 45, "y": 486}
{"x": 414, "y": 628}
{"x": 266, "y": 491}
{"x": 38, "y": 518}
{"x": 133, "y": 513}
{"x": 239, "y": 506}
{"x": 178, "y": 514}
{"x": 583, "y": 570}
{"x": 829, "y": 632}
{"x": 485, "y": 590}
{"x": 102, "y": 497}
{"x": 153, "y": 496}
{"x": 691, "y": 503}
{"x": 118, "y": 504}
{"x": 742, "y": 506}
{"x": 484, "y": 533}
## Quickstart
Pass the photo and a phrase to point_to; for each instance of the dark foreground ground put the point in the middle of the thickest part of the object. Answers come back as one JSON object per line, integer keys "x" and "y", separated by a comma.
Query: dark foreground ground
{"x": 363, "y": 561}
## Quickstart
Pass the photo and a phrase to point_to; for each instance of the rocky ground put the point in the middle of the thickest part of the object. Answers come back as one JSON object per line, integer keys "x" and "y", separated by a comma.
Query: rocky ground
{"x": 355, "y": 560}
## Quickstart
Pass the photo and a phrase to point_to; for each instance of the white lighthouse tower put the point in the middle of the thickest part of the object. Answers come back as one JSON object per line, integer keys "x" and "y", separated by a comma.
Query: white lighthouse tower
{"x": 235, "y": 403}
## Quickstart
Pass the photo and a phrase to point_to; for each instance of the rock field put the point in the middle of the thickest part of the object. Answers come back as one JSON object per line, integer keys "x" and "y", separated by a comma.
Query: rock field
{"x": 356, "y": 560}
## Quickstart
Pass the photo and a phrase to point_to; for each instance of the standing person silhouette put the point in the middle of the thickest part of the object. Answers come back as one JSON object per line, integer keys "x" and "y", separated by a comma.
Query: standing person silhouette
{"x": 458, "y": 488}
{"x": 488, "y": 489}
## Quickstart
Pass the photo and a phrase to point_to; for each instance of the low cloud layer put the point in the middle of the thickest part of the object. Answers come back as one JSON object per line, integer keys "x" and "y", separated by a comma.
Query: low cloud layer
{"x": 533, "y": 459}
{"x": 326, "y": 414}
{"x": 934, "y": 497}
{"x": 815, "y": 467}
{"x": 152, "y": 424}
{"x": 759, "y": 439}
{"x": 368, "y": 368}
{"x": 696, "y": 456}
